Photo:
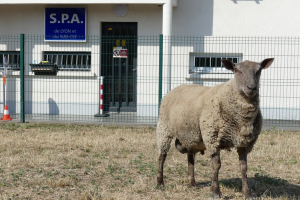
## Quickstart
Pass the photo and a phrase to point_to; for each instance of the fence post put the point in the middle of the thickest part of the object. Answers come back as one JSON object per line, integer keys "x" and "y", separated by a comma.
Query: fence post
{"x": 101, "y": 108}
{"x": 160, "y": 70}
{"x": 22, "y": 102}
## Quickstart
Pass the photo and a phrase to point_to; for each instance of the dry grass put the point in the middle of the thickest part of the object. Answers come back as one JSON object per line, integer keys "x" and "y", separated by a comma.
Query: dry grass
{"x": 59, "y": 161}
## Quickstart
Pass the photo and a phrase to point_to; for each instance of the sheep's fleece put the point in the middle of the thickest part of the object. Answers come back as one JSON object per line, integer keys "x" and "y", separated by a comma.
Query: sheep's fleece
{"x": 208, "y": 118}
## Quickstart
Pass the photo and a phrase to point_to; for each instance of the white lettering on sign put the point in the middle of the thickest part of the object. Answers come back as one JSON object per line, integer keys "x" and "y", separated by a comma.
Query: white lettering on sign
{"x": 64, "y": 19}
{"x": 52, "y": 16}
{"x": 75, "y": 18}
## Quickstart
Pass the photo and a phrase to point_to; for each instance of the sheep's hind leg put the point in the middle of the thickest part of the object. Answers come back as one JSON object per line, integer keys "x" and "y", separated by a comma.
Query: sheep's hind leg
{"x": 243, "y": 166}
{"x": 216, "y": 165}
{"x": 191, "y": 163}
{"x": 160, "y": 174}
{"x": 164, "y": 139}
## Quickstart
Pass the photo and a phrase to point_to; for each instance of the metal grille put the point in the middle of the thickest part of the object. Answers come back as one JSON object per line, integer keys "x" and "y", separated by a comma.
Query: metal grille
{"x": 69, "y": 60}
{"x": 12, "y": 58}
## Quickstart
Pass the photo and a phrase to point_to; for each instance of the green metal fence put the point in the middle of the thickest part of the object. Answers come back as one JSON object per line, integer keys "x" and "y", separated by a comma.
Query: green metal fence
{"x": 121, "y": 79}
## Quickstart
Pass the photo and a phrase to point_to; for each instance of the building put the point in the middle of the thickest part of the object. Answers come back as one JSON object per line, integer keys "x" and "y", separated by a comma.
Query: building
{"x": 82, "y": 30}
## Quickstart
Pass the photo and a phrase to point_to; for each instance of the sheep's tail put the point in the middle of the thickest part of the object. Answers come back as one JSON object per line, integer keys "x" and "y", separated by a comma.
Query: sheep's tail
{"x": 164, "y": 139}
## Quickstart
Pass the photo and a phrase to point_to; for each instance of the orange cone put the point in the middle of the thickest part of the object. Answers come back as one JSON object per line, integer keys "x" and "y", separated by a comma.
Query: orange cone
{"x": 6, "y": 116}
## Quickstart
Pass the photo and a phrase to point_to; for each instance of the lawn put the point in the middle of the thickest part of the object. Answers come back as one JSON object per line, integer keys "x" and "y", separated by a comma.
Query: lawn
{"x": 71, "y": 161}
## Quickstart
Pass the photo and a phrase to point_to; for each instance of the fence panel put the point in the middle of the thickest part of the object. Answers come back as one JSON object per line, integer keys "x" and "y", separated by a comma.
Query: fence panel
{"x": 62, "y": 79}
{"x": 9, "y": 52}
{"x": 196, "y": 60}
{"x": 73, "y": 92}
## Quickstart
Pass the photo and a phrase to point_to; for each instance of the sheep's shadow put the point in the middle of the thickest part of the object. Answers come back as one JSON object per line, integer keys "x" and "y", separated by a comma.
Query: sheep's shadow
{"x": 261, "y": 186}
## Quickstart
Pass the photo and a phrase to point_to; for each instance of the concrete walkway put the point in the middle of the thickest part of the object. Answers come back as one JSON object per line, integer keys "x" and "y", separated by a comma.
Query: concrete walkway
{"x": 131, "y": 119}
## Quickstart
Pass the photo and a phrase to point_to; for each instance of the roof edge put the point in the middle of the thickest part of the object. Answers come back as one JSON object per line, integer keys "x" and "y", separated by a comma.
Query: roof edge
{"x": 39, "y": 2}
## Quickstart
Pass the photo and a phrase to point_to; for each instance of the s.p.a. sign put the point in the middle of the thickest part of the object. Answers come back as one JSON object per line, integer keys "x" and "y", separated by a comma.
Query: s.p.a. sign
{"x": 65, "y": 24}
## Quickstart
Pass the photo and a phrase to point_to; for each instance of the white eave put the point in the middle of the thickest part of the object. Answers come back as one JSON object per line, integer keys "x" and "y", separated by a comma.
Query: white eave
{"x": 174, "y": 2}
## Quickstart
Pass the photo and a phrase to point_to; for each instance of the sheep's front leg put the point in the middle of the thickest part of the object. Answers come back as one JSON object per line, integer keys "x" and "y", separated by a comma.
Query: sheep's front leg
{"x": 243, "y": 166}
{"x": 191, "y": 163}
{"x": 216, "y": 165}
{"x": 160, "y": 174}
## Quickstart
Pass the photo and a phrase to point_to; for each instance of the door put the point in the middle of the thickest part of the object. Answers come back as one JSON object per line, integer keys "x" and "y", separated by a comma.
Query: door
{"x": 119, "y": 70}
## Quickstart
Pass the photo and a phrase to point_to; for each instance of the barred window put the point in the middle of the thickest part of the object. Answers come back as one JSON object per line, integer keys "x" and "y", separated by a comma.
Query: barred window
{"x": 211, "y": 63}
{"x": 12, "y": 59}
{"x": 69, "y": 60}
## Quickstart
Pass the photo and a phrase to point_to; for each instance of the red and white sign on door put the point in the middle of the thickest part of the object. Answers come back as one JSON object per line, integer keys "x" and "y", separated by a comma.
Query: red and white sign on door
{"x": 120, "y": 53}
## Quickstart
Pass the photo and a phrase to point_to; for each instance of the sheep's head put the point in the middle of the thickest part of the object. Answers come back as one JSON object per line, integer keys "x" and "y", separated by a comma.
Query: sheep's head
{"x": 247, "y": 75}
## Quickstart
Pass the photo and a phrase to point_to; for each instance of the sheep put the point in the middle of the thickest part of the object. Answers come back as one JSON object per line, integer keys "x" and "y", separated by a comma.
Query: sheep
{"x": 209, "y": 119}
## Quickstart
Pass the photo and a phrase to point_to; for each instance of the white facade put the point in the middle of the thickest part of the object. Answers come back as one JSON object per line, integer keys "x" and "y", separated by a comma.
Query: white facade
{"x": 190, "y": 17}
{"x": 179, "y": 18}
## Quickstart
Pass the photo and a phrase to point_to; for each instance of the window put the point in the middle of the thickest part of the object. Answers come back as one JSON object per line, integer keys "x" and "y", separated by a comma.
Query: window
{"x": 69, "y": 60}
{"x": 12, "y": 59}
{"x": 211, "y": 62}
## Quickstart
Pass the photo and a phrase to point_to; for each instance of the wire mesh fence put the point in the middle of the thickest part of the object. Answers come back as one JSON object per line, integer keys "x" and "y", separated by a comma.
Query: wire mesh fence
{"x": 198, "y": 59}
{"x": 121, "y": 79}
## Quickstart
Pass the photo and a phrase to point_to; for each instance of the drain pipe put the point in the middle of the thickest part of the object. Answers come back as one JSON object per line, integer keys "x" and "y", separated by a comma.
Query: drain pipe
{"x": 167, "y": 50}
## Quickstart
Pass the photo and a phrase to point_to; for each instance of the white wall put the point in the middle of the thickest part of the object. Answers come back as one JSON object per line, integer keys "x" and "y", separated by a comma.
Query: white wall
{"x": 256, "y": 17}
{"x": 190, "y": 17}
{"x": 29, "y": 19}
{"x": 193, "y": 17}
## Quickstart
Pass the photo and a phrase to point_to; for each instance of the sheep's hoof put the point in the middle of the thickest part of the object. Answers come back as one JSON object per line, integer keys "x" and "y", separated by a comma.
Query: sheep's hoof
{"x": 249, "y": 197}
{"x": 193, "y": 184}
{"x": 160, "y": 183}
{"x": 217, "y": 196}
{"x": 216, "y": 193}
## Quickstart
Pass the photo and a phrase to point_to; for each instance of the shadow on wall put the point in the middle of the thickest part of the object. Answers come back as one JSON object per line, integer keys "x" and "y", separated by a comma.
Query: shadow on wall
{"x": 256, "y": 1}
{"x": 53, "y": 108}
{"x": 199, "y": 16}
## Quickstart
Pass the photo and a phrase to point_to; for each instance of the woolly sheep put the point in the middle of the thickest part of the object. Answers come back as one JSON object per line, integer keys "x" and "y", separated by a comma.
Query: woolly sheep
{"x": 213, "y": 118}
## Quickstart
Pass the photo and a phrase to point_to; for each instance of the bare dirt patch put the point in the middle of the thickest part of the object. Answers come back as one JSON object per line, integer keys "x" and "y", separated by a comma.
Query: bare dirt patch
{"x": 64, "y": 161}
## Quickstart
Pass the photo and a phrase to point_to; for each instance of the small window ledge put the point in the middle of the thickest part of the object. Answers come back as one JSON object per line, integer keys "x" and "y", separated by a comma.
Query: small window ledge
{"x": 74, "y": 69}
{"x": 208, "y": 79}
{"x": 209, "y": 70}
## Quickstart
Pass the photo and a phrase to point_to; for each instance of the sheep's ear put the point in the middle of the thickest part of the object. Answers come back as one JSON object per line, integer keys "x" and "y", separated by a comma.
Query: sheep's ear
{"x": 228, "y": 64}
{"x": 266, "y": 63}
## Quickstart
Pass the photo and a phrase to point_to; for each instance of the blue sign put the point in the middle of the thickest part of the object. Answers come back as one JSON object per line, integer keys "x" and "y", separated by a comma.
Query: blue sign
{"x": 65, "y": 24}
